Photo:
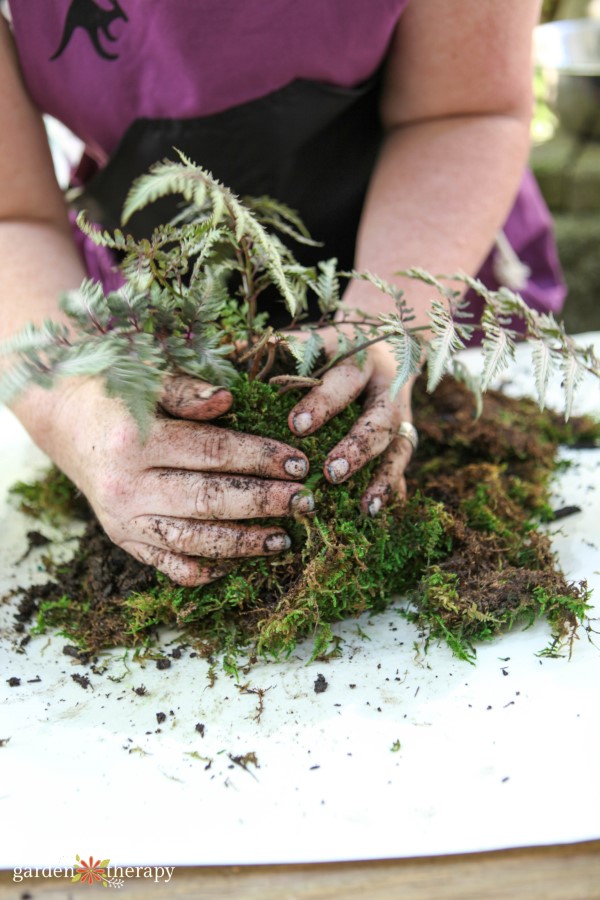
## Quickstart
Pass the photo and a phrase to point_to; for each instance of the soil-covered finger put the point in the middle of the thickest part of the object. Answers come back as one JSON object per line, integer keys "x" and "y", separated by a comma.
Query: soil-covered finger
{"x": 189, "y": 398}
{"x": 341, "y": 385}
{"x": 195, "y": 495}
{"x": 368, "y": 438}
{"x": 208, "y": 448}
{"x": 214, "y": 540}
{"x": 184, "y": 570}
{"x": 388, "y": 480}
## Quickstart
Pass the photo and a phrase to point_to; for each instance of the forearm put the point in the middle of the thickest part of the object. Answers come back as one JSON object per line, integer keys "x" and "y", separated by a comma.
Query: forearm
{"x": 40, "y": 263}
{"x": 439, "y": 193}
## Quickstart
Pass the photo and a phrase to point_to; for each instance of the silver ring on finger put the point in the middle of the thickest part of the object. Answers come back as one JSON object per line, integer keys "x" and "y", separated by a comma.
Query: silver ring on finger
{"x": 408, "y": 431}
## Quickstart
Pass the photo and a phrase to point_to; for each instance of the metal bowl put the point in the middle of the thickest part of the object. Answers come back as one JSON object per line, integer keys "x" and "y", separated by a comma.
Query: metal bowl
{"x": 567, "y": 56}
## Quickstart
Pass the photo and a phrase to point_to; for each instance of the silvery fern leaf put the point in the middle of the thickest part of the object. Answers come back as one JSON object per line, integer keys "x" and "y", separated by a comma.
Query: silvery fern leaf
{"x": 200, "y": 187}
{"x": 281, "y": 217}
{"x": 498, "y": 348}
{"x": 327, "y": 286}
{"x": 312, "y": 349}
{"x": 87, "y": 306}
{"x": 207, "y": 249}
{"x": 14, "y": 381}
{"x": 297, "y": 349}
{"x": 87, "y": 358}
{"x": 139, "y": 389}
{"x": 572, "y": 373}
{"x": 543, "y": 365}
{"x": 214, "y": 368}
{"x": 380, "y": 283}
{"x": 35, "y": 338}
{"x": 407, "y": 352}
{"x": 102, "y": 238}
{"x": 445, "y": 343}
{"x": 165, "y": 178}
{"x": 344, "y": 343}
{"x": 425, "y": 277}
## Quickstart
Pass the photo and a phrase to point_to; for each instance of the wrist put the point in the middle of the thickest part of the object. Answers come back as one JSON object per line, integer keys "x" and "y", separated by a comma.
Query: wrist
{"x": 52, "y": 418}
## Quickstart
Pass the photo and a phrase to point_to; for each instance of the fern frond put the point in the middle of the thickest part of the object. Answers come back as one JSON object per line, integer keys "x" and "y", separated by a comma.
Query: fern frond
{"x": 572, "y": 373}
{"x": 200, "y": 187}
{"x": 87, "y": 306}
{"x": 14, "y": 381}
{"x": 407, "y": 352}
{"x": 274, "y": 214}
{"x": 498, "y": 348}
{"x": 35, "y": 338}
{"x": 445, "y": 343}
{"x": 102, "y": 238}
{"x": 543, "y": 365}
{"x": 327, "y": 286}
{"x": 312, "y": 350}
{"x": 88, "y": 358}
{"x": 380, "y": 283}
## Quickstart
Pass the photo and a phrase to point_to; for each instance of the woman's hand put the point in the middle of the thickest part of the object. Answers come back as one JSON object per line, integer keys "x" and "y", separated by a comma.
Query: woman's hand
{"x": 186, "y": 491}
{"x": 375, "y": 433}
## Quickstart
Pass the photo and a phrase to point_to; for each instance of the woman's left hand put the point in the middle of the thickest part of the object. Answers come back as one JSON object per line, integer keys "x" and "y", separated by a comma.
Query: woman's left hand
{"x": 375, "y": 432}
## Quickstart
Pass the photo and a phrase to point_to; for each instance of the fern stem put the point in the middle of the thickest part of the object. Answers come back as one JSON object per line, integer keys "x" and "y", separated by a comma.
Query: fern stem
{"x": 271, "y": 353}
{"x": 337, "y": 359}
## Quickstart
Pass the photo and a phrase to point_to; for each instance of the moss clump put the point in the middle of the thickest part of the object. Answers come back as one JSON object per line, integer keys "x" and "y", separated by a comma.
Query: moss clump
{"x": 465, "y": 547}
{"x": 52, "y": 498}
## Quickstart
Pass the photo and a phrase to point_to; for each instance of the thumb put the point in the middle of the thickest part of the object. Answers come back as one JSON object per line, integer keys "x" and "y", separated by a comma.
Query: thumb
{"x": 189, "y": 398}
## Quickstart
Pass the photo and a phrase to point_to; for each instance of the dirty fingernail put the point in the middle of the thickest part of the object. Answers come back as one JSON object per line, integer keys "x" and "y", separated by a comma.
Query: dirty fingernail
{"x": 277, "y": 542}
{"x": 303, "y": 502}
{"x": 374, "y": 506}
{"x": 296, "y": 467}
{"x": 338, "y": 469}
{"x": 302, "y": 422}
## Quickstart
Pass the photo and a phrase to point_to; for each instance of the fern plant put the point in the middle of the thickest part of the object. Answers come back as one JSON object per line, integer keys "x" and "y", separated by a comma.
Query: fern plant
{"x": 189, "y": 304}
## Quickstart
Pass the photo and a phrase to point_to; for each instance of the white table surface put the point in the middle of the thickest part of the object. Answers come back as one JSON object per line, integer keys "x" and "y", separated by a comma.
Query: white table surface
{"x": 501, "y": 754}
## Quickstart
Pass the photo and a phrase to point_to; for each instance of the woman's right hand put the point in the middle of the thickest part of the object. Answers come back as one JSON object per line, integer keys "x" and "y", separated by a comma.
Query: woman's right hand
{"x": 186, "y": 491}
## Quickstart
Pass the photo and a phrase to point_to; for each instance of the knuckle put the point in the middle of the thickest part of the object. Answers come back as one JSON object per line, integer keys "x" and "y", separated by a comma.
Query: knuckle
{"x": 267, "y": 454}
{"x": 122, "y": 440}
{"x": 174, "y": 534}
{"x": 210, "y": 500}
{"x": 216, "y": 448}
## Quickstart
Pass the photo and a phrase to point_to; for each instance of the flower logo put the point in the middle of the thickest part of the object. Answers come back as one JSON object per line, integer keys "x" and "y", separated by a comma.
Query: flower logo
{"x": 91, "y": 871}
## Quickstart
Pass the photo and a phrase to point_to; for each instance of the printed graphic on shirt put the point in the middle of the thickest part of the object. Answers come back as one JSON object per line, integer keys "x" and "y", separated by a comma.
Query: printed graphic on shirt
{"x": 96, "y": 20}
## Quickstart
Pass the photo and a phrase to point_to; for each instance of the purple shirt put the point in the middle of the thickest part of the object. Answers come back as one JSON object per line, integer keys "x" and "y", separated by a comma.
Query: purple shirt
{"x": 186, "y": 58}
{"x": 99, "y": 65}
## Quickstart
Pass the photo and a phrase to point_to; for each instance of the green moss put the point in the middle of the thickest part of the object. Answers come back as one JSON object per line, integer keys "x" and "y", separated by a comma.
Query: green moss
{"x": 464, "y": 547}
{"x": 53, "y": 498}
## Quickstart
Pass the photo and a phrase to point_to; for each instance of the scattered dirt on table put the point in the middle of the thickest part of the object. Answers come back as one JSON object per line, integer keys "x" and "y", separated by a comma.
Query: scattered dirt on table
{"x": 320, "y": 684}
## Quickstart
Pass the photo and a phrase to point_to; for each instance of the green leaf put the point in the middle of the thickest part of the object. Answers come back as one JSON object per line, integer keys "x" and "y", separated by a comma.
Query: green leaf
{"x": 327, "y": 286}
{"x": 35, "y": 337}
{"x": 89, "y": 358}
{"x": 312, "y": 349}
{"x": 200, "y": 187}
{"x": 277, "y": 215}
